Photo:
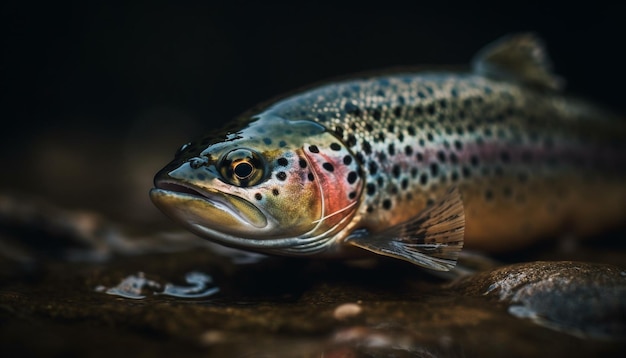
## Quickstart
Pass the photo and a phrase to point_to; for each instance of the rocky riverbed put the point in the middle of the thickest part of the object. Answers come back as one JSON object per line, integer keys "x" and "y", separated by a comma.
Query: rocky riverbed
{"x": 73, "y": 283}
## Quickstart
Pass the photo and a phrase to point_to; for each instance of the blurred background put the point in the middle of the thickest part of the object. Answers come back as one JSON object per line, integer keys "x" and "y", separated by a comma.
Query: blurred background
{"x": 98, "y": 97}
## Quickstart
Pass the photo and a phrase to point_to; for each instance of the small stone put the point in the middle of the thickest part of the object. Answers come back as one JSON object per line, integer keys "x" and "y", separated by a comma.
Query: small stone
{"x": 347, "y": 310}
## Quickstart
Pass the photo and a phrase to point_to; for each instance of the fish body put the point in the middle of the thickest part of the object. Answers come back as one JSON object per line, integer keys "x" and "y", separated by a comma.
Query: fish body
{"x": 409, "y": 165}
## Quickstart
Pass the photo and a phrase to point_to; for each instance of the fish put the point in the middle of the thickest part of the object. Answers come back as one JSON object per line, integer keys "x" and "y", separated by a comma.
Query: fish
{"x": 411, "y": 165}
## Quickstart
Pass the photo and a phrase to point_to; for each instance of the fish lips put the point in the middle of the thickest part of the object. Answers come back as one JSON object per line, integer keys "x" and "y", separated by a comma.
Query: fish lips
{"x": 207, "y": 209}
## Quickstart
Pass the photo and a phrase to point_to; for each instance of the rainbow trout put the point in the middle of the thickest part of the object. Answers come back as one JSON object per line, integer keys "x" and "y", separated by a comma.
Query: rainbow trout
{"x": 408, "y": 165}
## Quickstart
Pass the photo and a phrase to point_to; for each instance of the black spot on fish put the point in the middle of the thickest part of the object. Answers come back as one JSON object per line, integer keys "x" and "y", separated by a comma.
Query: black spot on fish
{"x": 408, "y": 150}
{"x": 453, "y": 158}
{"x": 350, "y": 108}
{"x": 421, "y": 142}
{"x": 396, "y": 170}
{"x": 448, "y": 130}
{"x": 397, "y": 111}
{"x": 352, "y": 195}
{"x": 368, "y": 127}
{"x": 380, "y": 181}
{"x": 474, "y": 160}
{"x": 386, "y": 204}
{"x": 454, "y": 176}
{"x": 413, "y": 172}
{"x": 314, "y": 149}
{"x": 443, "y": 103}
{"x": 367, "y": 148}
{"x": 454, "y": 93}
{"x": 347, "y": 160}
{"x": 458, "y": 145}
{"x": 434, "y": 169}
{"x": 382, "y": 156}
{"x": 380, "y": 137}
{"x": 423, "y": 179}
{"x": 275, "y": 192}
{"x": 371, "y": 189}
{"x": 282, "y": 144}
{"x": 391, "y": 149}
{"x": 404, "y": 184}
{"x": 419, "y": 111}
{"x": 281, "y": 176}
{"x": 505, "y": 157}
{"x": 352, "y": 177}
{"x": 376, "y": 113}
{"x": 401, "y": 137}
{"x": 339, "y": 131}
{"x": 466, "y": 172}
{"x": 351, "y": 140}
{"x": 419, "y": 156}
{"x": 258, "y": 196}
{"x": 321, "y": 118}
{"x": 459, "y": 130}
{"x": 411, "y": 130}
{"x": 311, "y": 177}
{"x": 380, "y": 93}
{"x": 335, "y": 146}
{"x": 430, "y": 202}
{"x": 353, "y": 126}
{"x": 470, "y": 128}
{"x": 267, "y": 141}
{"x": 441, "y": 156}
{"x": 409, "y": 196}
{"x": 282, "y": 161}
{"x": 328, "y": 167}
{"x": 488, "y": 132}
{"x": 302, "y": 163}
{"x": 421, "y": 94}
{"x": 393, "y": 190}
{"x": 390, "y": 128}
{"x": 488, "y": 195}
{"x": 370, "y": 209}
{"x": 430, "y": 137}
{"x": 430, "y": 109}
{"x": 373, "y": 167}
{"x": 401, "y": 100}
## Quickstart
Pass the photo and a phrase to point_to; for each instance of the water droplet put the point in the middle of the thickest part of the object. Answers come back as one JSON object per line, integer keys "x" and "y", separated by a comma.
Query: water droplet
{"x": 139, "y": 287}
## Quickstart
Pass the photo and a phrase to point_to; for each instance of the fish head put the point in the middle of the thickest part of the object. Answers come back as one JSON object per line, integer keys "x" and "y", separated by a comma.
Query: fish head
{"x": 273, "y": 185}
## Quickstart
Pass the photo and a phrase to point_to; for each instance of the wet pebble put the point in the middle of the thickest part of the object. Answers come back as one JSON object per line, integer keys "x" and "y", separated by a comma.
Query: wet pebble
{"x": 347, "y": 310}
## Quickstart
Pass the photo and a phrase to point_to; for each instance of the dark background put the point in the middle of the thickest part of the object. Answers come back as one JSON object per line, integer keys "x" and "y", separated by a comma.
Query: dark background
{"x": 97, "y": 97}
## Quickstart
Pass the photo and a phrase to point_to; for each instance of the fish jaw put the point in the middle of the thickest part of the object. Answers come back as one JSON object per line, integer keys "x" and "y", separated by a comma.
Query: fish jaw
{"x": 222, "y": 212}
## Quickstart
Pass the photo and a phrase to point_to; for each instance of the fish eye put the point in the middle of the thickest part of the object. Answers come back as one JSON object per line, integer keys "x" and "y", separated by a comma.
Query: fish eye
{"x": 242, "y": 167}
{"x": 243, "y": 170}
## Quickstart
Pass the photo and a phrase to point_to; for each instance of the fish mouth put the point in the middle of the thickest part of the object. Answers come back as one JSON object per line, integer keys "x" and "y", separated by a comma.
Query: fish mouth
{"x": 197, "y": 207}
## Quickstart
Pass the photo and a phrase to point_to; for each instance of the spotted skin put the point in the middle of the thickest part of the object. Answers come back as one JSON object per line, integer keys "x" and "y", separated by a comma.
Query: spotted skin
{"x": 528, "y": 161}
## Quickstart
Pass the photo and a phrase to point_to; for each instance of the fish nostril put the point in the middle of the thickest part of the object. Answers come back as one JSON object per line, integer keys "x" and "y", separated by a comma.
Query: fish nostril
{"x": 197, "y": 162}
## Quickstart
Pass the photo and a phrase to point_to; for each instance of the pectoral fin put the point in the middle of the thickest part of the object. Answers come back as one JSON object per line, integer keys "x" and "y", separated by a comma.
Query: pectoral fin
{"x": 433, "y": 239}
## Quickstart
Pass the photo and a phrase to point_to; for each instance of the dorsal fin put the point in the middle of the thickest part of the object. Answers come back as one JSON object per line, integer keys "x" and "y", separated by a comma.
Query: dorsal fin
{"x": 522, "y": 58}
{"x": 433, "y": 239}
